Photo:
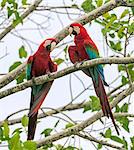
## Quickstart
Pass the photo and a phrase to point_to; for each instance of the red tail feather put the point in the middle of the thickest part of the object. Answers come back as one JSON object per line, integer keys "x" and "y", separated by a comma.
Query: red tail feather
{"x": 101, "y": 93}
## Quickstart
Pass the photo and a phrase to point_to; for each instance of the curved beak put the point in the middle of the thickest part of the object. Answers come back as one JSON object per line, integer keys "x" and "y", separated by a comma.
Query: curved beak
{"x": 70, "y": 30}
{"x": 53, "y": 45}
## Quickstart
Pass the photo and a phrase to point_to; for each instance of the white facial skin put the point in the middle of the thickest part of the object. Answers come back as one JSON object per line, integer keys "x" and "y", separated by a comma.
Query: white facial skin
{"x": 75, "y": 28}
{"x": 53, "y": 45}
{"x": 48, "y": 42}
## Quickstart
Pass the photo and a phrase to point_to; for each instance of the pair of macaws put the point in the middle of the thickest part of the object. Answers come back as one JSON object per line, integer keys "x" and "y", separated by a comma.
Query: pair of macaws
{"x": 40, "y": 63}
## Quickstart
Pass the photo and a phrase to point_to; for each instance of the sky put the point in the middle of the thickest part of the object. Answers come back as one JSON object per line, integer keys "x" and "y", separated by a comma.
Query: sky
{"x": 59, "y": 94}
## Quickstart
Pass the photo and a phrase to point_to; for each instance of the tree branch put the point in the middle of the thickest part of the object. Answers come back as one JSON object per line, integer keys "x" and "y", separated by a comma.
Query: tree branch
{"x": 52, "y": 76}
{"x": 79, "y": 127}
{"x": 11, "y": 75}
{"x": 99, "y": 141}
{"x": 63, "y": 33}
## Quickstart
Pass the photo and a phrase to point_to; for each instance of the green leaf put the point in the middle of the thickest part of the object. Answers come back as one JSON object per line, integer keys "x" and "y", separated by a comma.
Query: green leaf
{"x": 118, "y": 46}
{"x": 3, "y": 3}
{"x": 46, "y": 146}
{"x": 125, "y": 12}
{"x": 124, "y": 122}
{"x": 69, "y": 125}
{"x": 104, "y": 31}
{"x": 121, "y": 67}
{"x": 108, "y": 133}
{"x": 117, "y": 139}
{"x": 47, "y": 132}
{"x": 125, "y": 143}
{"x": 113, "y": 18}
{"x": 58, "y": 61}
{"x": 132, "y": 8}
{"x": 120, "y": 32}
{"x": 1, "y": 133}
{"x": 95, "y": 103}
{"x": 124, "y": 80}
{"x": 132, "y": 141}
{"x": 17, "y": 19}
{"x": 117, "y": 109}
{"x": 99, "y": 146}
{"x": 19, "y": 130}
{"x": 30, "y": 145}
{"x": 106, "y": 15}
{"x": 124, "y": 108}
{"x": 22, "y": 52}
{"x": 24, "y": 121}
{"x": 21, "y": 78}
{"x": 14, "y": 65}
{"x": 10, "y": 12}
{"x": 70, "y": 148}
{"x": 6, "y": 130}
{"x": 99, "y": 3}
{"x": 131, "y": 28}
{"x": 87, "y": 107}
{"x": 24, "y": 2}
{"x": 14, "y": 142}
{"x": 88, "y": 6}
{"x": 15, "y": 5}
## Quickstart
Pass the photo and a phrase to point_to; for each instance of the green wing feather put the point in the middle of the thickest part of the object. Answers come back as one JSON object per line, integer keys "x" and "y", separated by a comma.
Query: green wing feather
{"x": 96, "y": 70}
{"x": 28, "y": 71}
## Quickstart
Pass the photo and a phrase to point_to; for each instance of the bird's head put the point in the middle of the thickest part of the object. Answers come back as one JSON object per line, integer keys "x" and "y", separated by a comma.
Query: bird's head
{"x": 74, "y": 28}
{"x": 50, "y": 44}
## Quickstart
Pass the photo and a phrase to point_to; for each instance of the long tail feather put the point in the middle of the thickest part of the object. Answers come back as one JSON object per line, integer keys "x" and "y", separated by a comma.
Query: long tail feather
{"x": 39, "y": 98}
{"x": 32, "y": 122}
{"x": 36, "y": 102}
{"x": 101, "y": 93}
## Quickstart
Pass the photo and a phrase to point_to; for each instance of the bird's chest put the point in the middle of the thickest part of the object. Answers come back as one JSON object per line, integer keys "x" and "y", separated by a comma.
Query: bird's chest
{"x": 40, "y": 66}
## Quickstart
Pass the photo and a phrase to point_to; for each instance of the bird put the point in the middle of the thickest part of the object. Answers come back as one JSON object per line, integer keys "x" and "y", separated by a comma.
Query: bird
{"x": 38, "y": 64}
{"x": 85, "y": 49}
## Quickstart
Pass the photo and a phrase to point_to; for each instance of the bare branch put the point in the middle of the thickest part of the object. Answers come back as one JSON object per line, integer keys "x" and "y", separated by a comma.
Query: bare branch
{"x": 99, "y": 141}
{"x": 68, "y": 70}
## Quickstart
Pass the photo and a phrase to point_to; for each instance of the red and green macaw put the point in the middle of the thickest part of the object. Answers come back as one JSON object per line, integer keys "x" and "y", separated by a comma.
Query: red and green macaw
{"x": 39, "y": 64}
{"x": 85, "y": 49}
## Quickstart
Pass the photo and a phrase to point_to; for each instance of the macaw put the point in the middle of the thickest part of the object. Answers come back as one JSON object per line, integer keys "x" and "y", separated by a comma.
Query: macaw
{"x": 39, "y": 64}
{"x": 85, "y": 49}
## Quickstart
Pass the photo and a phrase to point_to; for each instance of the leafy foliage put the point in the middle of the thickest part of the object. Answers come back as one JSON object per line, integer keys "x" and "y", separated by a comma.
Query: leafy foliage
{"x": 12, "y": 10}
{"x": 24, "y": 121}
{"x": 47, "y": 132}
{"x": 22, "y": 54}
{"x": 93, "y": 104}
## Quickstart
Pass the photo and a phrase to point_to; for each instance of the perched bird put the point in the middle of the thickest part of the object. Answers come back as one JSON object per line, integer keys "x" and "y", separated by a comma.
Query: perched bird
{"x": 39, "y": 64}
{"x": 85, "y": 49}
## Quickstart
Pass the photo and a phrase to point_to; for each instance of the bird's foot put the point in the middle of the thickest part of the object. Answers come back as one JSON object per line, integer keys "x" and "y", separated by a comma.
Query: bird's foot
{"x": 48, "y": 73}
{"x": 33, "y": 81}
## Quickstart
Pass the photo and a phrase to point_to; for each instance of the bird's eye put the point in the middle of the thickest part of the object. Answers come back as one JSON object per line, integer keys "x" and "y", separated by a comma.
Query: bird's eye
{"x": 48, "y": 47}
